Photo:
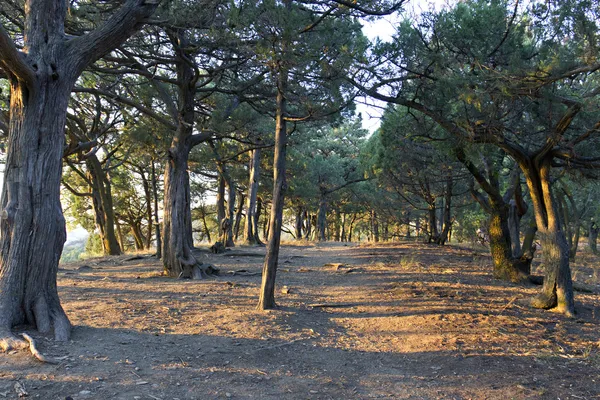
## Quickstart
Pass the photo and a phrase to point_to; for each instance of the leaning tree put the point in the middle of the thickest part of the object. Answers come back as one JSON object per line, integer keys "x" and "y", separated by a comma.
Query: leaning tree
{"x": 42, "y": 63}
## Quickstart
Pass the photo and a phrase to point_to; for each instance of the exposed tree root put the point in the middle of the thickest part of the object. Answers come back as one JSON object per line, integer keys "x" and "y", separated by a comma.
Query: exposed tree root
{"x": 10, "y": 342}
{"x": 36, "y": 353}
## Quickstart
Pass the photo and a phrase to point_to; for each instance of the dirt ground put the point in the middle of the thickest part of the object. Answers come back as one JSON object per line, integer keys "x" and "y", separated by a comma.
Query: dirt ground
{"x": 402, "y": 321}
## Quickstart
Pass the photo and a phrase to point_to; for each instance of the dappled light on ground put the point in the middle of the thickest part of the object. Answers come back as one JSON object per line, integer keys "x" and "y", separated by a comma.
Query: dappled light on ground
{"x": 402, "y": 320}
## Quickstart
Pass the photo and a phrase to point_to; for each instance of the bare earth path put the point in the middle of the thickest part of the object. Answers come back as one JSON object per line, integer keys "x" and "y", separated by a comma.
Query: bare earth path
{"x": 402, "y": 321}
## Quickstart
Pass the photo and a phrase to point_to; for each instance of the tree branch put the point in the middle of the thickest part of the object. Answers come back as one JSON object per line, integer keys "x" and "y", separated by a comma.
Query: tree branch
{"x": 119, "y": 27}
{"x": 12, "y": 60}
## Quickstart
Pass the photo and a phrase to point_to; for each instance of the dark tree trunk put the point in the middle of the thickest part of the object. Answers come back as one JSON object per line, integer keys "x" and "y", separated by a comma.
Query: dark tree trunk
{"x": 238, "y": 215}
{"x": 447, "y": 215}
{"x": 267, "y": 290}
{"x": 102, "y": 202}
{"x": 593, "y": 237}
{"x": 178, "y": 260}
{"x": 375, "y": 226}
{"x": 252, "y": 209}
{"x": 221, "y": 210}
{"x": 148, "y": 195}
{"x": 156, "y": 221}
{"x": 322, "y": 219}
{"x": 32, "y": 226}
{"x": 259, "y": 208}
{"x": 298, "y": 223}
{"x": 506, "y": 267}
{"x": 433, "y": 230}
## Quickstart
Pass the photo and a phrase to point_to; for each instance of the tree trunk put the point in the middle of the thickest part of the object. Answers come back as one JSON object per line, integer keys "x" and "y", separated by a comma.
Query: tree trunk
{"x": 433, "y": 231}
{"x": 267, "y": 290}
{"x": 298, "y": 223}
{"x": 514, "y": 228}
{"x": 138, "y": 236}
{"x": 258, "y": 213}
{"x": 557, "y": 290}
{"x": 251, "y": 225}
{"x": 593, "y": 237}
{"x": 102, "y": 203}
{"x": 221, "y": 211}
{"x": 322, "y": 219}
{"x": 32, "y": 226}
{"x": 506, "y": 267}
{"x": 148, "y": 195}
{"x": 308, "y": 225}
{"x": 156, "y": 221}
{"x": 238, "y": 215}
{"x": 447, "y": 216}
{"x": 228, "y": 228}
{"x": 178, "y": 260}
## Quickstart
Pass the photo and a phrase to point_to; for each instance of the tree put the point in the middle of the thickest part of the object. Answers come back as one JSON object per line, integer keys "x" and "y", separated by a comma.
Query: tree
{"x": 32, "y": 229}
{"x": 518, "y": 87}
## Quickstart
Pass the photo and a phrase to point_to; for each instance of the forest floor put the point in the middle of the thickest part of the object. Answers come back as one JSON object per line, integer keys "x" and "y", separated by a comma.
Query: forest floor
{"x": 402, "y": 321}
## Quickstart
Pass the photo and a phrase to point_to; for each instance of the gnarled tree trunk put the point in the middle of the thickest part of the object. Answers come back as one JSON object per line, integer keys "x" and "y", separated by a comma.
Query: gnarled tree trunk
{"x": 557, "y": 290}
{"x": 32, "y": 229}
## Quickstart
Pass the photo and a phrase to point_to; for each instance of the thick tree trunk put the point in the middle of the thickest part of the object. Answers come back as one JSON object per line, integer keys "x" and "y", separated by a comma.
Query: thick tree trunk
{"x": 251, "y": 225}
{"x": 32, "y": 226}
{"x": 178, "y": 260}
{"x": 557, "y": 290}
{"x": 267, "y": 290}
{"x": 506, "y": 267}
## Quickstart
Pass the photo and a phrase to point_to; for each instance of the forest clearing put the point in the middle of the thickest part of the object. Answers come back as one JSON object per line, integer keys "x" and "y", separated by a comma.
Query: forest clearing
{"x": 394, "y": 199}
{"x": 401, "y": 320}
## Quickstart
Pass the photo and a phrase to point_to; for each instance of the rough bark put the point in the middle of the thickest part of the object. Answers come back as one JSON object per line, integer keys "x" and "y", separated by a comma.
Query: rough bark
{"x": 557, "y": 290}
{"x": 32, "y": 228}
{"x": 178, "y": 260}
{"x": 267, "y": 290}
